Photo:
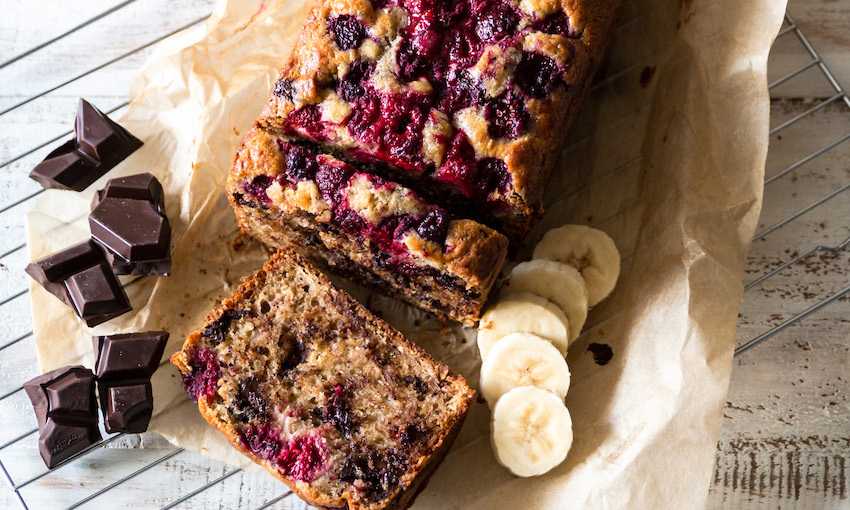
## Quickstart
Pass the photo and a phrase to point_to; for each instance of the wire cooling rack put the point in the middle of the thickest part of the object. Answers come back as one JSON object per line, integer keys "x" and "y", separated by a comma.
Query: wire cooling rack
{"x": 29, "y": 483}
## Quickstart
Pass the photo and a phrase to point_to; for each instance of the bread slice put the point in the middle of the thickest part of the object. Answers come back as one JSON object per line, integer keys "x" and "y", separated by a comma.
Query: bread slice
{"x": 330, "y": 399}
{"x": 373, "y": 230}
{"x": 468, "y": 102}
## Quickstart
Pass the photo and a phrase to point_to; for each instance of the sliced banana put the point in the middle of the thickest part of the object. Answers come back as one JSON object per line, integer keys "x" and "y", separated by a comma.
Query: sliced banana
{"x": 555, "y": 282}
{"x": 523, "y": 359}
{"x": 590, "y": 251}
{"x": 531, "y": 430}
{"x": 523, "y": 312}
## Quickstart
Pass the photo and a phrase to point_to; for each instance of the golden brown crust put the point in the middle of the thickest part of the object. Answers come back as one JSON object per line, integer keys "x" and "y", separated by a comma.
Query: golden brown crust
{"x": 317, "y": 62}
{"x": 420, "y": 466}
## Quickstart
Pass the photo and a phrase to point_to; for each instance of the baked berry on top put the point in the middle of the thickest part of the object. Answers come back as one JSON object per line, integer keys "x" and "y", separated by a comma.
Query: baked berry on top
{"x": 469, "y": 96}
{"x": 364, "y": 226}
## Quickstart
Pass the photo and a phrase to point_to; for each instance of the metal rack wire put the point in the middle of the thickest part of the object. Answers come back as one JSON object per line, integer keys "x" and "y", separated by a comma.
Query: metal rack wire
{"x": 16, "y": 485}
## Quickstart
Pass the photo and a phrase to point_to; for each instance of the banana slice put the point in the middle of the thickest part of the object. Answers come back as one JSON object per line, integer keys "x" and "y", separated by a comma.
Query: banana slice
{"x": 590, "y": 251}
{"x": 523, "y": 359}
{"x": 555, "y": 282}
{"x": 523, "y": 312}
{"x": 531, "y": 431}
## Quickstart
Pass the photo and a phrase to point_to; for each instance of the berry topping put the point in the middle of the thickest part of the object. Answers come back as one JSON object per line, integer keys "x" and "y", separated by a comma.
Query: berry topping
{"x": 308, "y": 118}
{"x": 411, "y": 63}
{"x": 257, "y": 186}
{"x": 537, "y": 74}
{"x": 348, "y": 32}
{"x": 300, "y": 164}
{"x": 434, "y": 227}
{"x": 203, "y": 380}
{"x": 557, "y": 24}
{"x": 493, "y": 175}
{"x": 331, "y": 179}
{"x": 463, "y": 48}
{"x": 351, "y": 87}
{"x": 462, "y": 90}
{"x": 496, "y": 24}
{"x": 283, "y": 88}
{"x": 507, "y": 116}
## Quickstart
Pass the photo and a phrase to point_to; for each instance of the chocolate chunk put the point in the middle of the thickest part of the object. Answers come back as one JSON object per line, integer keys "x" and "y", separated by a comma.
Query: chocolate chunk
{"x": 66, "y": 410}
{"x": 124, "y": 364}
{"x": 82, "y": 279}
{"x": 60, "y": 440}
{"x": 136, "y": 187}
{"x": 98, "y": 146}
{"x": 127, "y": 408}
{"x": 129, "y": 355}
{"x": 128, "y": 220}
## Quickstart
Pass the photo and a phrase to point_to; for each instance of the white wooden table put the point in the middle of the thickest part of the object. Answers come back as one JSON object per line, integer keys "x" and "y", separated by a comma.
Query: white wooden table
{"x": 785, "y": 439}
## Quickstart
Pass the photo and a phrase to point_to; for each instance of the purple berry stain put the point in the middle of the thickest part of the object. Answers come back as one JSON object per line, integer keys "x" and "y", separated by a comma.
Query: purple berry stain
{"x": 203, "y": 381}
{"x": 299, "y": 458}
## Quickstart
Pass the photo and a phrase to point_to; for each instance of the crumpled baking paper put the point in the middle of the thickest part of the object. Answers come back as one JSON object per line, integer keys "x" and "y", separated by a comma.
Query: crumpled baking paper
{"x": 667, "y": 156}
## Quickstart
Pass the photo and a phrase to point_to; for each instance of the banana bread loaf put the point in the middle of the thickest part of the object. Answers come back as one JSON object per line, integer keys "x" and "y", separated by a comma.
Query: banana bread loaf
{"x": 466, "y": 101}
{"x": 329, "y": 398}
{"x": 365, "y": 227}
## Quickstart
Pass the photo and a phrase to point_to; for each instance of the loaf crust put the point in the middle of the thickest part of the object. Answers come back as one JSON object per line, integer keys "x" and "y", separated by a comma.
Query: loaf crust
{"x": 317, "y": 70}
{"x": 449, "y": 275}
{"x": 234, "y": 332}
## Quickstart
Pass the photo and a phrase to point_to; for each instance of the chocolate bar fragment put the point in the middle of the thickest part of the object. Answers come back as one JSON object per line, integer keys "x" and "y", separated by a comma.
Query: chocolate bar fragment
{"x": 66, "y": 410}
{"x": 128, "y": 219}
{"x": 82, "y": 279}
{"x": 99, "y": 144}
{"x": 124, "y": 364}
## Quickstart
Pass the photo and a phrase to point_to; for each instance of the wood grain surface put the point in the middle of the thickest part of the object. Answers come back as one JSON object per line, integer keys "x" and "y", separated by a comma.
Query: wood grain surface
{"x": 785, "y": 440}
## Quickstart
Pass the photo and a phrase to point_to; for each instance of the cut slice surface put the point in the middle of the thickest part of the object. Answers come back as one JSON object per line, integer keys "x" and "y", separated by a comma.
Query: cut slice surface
{"x": 326, "y": 396}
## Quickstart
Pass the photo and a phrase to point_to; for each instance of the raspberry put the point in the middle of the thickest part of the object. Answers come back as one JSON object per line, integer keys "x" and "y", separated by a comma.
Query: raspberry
{"x": 348, "y": 32}
{"x": 507, "y": 116}
{"x": 203, "y": 380}
{"x": 434, "y": 227}
{"x": 257, "y": 187}
{"x": 536, "y": 75}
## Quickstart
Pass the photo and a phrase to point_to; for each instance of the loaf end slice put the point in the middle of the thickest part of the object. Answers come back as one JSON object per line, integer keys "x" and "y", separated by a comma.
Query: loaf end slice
{"x": 327, "y": 397}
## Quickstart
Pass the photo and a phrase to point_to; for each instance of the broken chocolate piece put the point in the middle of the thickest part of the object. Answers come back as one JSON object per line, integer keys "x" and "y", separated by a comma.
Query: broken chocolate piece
{"x": 137, "y": 187}
{"x": 124, "y": 364}
{"x": 127, "y": 408}
{"x": 129, "y": 221}
{"x": 129, "y": 355}
{"x": 82, "y": 279}
{"x": 98, "y": 146}
{"x": 65, "y": 408}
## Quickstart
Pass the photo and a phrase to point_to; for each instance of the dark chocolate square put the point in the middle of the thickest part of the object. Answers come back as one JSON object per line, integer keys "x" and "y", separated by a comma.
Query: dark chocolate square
{"x": 82, "y": 279}
{"x": 98, "y": 145}
{"x": 129, "y": 355}
{"x": 127, "y": 408}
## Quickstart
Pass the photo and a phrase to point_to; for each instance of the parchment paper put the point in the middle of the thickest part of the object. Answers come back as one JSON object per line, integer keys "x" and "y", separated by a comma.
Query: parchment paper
{"x": 667, "y": 156}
